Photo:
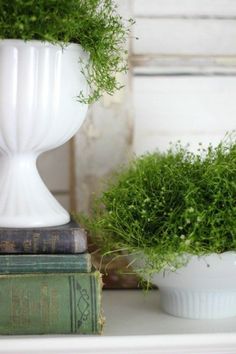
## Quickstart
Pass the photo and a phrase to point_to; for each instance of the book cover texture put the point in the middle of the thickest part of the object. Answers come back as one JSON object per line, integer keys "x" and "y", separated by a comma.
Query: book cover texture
{"x": 51, "y": 304}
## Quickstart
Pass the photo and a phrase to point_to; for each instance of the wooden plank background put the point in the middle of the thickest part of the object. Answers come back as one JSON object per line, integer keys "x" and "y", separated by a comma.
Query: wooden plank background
{"x": 184, "y": 84}
{"x": 191, "y": 109}
{"x": 185, "y": 36}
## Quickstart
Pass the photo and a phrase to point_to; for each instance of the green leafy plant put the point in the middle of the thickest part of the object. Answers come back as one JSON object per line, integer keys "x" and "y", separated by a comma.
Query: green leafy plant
{"x": 94, "y": 24}
{"x": 164, "y": 205}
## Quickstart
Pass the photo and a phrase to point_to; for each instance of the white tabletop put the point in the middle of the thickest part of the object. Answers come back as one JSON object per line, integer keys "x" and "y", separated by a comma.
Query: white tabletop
{"x": 134, "y": 325}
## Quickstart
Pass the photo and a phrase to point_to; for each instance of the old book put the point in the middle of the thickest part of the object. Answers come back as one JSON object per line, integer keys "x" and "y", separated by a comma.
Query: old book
{"x": 51, "y": 303}
{"x": 68, "y": 238}
{"x": 45, "y": 263}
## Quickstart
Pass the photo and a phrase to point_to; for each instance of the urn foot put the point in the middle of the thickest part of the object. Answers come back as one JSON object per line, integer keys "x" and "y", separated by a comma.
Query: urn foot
{"x": 25, "y": 201}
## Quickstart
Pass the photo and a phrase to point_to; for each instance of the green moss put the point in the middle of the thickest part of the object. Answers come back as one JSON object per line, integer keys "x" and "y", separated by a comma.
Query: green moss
{"x": 95, "y": 24}
{"x": 168, "y": 204}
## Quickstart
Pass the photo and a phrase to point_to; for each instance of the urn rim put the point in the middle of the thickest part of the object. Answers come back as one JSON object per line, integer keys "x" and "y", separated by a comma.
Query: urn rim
{"x": 40, "y": 43}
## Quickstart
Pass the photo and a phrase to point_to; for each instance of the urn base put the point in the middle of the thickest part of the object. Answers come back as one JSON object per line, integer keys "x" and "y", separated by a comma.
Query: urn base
{"x": 25, "y": 201}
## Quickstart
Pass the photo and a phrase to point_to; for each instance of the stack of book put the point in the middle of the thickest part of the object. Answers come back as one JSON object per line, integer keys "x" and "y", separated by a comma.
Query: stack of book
{"x": 47, "y": 284}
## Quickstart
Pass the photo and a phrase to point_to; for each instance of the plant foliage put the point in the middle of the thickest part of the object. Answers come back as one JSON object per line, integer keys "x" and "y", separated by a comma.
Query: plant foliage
{"x": 94, "y": 24}
{"x": 164, "y": 205}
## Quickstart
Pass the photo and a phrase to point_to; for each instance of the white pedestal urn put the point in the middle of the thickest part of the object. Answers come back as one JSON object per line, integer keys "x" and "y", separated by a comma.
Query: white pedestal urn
{"x": 39, "y": 111}
{"x": 203, "y": 289}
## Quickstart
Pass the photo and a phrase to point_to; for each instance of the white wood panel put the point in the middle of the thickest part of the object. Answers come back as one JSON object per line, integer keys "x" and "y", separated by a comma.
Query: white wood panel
{"x": 185, "y": 8}
{"x": 185, "y": 37}
{"x": 192, "y": 109}
{"x": 54, "y": 168}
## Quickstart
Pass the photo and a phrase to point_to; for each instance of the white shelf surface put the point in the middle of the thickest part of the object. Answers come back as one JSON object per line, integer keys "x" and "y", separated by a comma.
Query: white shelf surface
{"x": 134, "y": 325}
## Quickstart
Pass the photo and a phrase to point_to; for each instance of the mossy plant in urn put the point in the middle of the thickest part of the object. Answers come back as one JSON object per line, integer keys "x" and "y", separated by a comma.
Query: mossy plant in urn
{"x": 174, "y": 215}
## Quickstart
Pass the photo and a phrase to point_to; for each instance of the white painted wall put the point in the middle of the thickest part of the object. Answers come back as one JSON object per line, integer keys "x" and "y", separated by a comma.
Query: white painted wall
{"x": 191, "y": 109}
{"x": 184, "y": 86}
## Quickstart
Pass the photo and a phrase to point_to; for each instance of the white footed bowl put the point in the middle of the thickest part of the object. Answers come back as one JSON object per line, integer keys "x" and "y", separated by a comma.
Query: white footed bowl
{"x": 39, "y": 111}
{"x": 203, "y": 289}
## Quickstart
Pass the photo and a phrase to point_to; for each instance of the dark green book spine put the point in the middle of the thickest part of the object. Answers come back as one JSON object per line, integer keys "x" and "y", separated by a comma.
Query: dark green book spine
{"x": 51, "y": 303}
{"x": 45, "y": 263}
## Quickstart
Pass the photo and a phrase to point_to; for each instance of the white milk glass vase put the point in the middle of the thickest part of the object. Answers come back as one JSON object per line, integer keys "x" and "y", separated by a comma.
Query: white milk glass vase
{"x": 39, "y": 110}
{"x": 203, "y": 288}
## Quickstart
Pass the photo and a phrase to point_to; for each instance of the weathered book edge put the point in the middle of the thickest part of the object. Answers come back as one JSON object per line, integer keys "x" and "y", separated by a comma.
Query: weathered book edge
{"x": 98, "y": 319}
{"x": 19, "y": 264}
{"x": 57, "y": 240}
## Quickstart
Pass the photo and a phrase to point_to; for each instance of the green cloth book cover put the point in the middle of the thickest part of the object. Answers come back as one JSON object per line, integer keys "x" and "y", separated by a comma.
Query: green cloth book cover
{"x": 68, "y": 303}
